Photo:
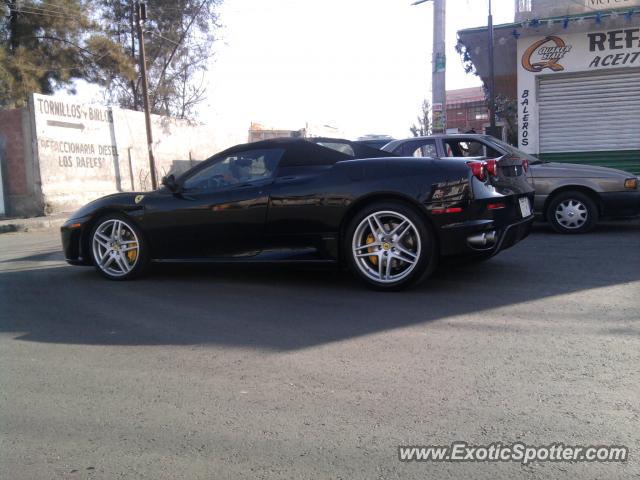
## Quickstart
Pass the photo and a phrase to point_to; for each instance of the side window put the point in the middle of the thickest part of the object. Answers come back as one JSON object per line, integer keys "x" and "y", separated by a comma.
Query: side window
{"x": 472, "y": 148}
{"x": 339, "y": 147}
{"x": 427, "y": 149}
{"x": 239, "y": 168}
{"x": 490, "y": 152}
{"x": 469, "y": 148}
{"x": 449, "y": 151}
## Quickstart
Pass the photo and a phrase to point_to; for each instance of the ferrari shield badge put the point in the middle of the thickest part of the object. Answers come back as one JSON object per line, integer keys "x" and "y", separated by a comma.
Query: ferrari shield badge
{"x": 139, "y": 198}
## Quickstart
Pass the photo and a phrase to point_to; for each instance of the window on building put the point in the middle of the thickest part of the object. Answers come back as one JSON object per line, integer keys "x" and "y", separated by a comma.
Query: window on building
{"x": 524, "y": 5}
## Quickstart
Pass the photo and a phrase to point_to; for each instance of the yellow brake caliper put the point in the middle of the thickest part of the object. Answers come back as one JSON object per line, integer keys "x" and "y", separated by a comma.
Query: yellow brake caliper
{"x": 133, "y": 254}
{"x": 373, "y": 258}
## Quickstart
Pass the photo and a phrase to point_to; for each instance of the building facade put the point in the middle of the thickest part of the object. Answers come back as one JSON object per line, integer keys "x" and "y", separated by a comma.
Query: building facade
{"x": 526, "y": 10}
{"x": 573, "y": 67}
{"x": 579, "y": 94}
{"x": 467, "y": 110}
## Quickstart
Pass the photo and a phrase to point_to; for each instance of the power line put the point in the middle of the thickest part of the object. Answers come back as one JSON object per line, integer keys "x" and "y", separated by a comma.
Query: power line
{"x": 155, "y": 34}
{"x": 42, "y": 13}
{"x": 56, "y": 8}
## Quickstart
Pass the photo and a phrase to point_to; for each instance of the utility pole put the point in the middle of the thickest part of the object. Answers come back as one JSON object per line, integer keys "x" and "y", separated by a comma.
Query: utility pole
{"x": 132, "y": 20}
{"x": 141, "y": 16}
{"x": 492, "y": 79}
{"x": 438, "y": 75}
{"x": 439, "y": 67}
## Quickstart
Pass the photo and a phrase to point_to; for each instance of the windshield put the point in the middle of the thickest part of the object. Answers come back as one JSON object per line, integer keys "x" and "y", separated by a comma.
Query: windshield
{"x": 514, "y": 151}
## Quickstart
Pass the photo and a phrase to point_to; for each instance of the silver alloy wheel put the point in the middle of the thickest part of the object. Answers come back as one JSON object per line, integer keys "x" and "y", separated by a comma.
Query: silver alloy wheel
{"x": 386, "y": 246}
{"x": 571, "y": 214}
{"x": 116, "y": 248}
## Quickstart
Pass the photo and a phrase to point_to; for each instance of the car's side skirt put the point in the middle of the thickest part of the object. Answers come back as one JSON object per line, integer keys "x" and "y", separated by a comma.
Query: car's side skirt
{"x": 300, "y": 255}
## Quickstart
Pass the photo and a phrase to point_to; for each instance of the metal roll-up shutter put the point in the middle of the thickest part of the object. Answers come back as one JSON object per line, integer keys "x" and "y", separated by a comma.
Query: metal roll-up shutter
{"x": 591, "y": 112}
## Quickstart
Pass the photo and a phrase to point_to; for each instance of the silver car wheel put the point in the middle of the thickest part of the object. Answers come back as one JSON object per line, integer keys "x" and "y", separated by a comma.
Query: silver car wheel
{"x": 116, "y": 248}
{"x": 571, "y": 214}
{"x": 386, "y": 246}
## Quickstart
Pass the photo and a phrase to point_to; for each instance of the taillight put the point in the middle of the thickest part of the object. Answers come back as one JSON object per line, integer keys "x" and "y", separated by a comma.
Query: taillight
{"x": 496, "y": 206}
{"x": 525, "y": 163}
{"x": 440, "y": 211}
{"x": 492, "y": 167}
{"x": 479, "y": 170}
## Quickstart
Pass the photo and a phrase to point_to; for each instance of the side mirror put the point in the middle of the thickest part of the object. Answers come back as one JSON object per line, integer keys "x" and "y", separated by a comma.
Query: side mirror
{"x": 169, "y": 181}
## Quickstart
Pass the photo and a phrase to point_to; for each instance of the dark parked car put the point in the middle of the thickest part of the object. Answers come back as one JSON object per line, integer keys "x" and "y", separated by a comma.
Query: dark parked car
{"x": 293, "y": 200}
{"x": 571, "y": 197}
{"x": 375, "y": 142}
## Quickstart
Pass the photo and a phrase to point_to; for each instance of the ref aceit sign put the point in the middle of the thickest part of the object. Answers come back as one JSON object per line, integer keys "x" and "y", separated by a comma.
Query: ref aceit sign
{"x": 592, "y": 50}
{"x": 614, "y": 48}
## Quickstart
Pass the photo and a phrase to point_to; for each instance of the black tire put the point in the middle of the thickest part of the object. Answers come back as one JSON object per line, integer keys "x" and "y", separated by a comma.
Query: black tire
{"x": 138, "y": 266}
{"x": 410, "y": 258}
{"x": 572, "y": 212}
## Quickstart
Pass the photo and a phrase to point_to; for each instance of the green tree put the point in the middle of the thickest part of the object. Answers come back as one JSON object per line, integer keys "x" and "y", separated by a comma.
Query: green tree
{"x": 178, "y": 42}
{"x": 423, "y": 128}
{"x": 507, "y": 111}
{"x": 48, "y": 45}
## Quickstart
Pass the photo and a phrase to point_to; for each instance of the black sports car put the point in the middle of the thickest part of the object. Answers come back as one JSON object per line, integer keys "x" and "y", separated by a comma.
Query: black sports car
{"x": 296, "y": 200}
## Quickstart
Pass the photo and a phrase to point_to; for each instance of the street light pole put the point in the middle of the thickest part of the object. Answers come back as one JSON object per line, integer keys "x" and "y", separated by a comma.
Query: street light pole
{"x": 141, "y": 16}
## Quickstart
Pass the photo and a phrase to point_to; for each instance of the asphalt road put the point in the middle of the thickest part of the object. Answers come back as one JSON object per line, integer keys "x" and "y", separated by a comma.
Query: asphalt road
{"x": 290, "y": 373}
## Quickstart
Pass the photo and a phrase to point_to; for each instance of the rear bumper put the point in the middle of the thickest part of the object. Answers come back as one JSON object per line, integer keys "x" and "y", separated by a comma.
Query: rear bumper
{"x": 454, "y": 238}
{"x": 621, "y": 204}
{"x": 514, "y": 233}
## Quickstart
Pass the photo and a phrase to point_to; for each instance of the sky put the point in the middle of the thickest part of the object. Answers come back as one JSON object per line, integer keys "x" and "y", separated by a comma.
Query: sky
{"x": 358, "y": 66}
{"x": 361, "y": 66}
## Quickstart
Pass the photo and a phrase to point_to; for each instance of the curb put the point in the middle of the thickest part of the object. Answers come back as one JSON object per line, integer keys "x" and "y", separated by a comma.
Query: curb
{"x": 30, "y": 224}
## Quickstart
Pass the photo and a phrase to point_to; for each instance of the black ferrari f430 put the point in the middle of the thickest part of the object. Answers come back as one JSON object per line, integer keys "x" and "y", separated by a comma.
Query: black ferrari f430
{"x": 387, "y": 218}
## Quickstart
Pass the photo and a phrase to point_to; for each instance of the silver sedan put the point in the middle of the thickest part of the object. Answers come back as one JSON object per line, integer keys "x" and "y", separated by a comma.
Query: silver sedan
{"x": 571, "y": 197}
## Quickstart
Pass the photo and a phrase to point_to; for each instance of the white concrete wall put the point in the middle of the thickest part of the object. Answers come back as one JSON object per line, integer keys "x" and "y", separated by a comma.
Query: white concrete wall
{"x": 87, "y": 151}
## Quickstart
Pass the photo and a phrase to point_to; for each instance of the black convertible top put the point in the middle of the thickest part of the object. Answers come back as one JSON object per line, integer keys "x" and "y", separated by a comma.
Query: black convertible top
{"x": 310, "y": 151}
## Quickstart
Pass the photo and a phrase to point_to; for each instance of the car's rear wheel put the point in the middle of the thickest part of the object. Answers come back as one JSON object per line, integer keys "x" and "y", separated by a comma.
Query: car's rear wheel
{"x": 389, "y": 246}
{"x": 118, "y": 248}
{"x": 572, "y": 212}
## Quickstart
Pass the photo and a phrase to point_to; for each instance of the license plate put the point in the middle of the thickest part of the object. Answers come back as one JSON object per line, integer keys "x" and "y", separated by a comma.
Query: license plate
{"x": 525, "y": 207}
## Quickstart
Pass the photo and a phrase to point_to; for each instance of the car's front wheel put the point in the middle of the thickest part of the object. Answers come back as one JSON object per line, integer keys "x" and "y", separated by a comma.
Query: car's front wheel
{"x": 572, "y": 212}
{"x": 118, "y": 248}
{"x": 389, "y": 246}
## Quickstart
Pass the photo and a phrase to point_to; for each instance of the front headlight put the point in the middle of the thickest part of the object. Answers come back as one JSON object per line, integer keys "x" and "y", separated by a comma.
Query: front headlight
{"x": 631, "y": 183}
